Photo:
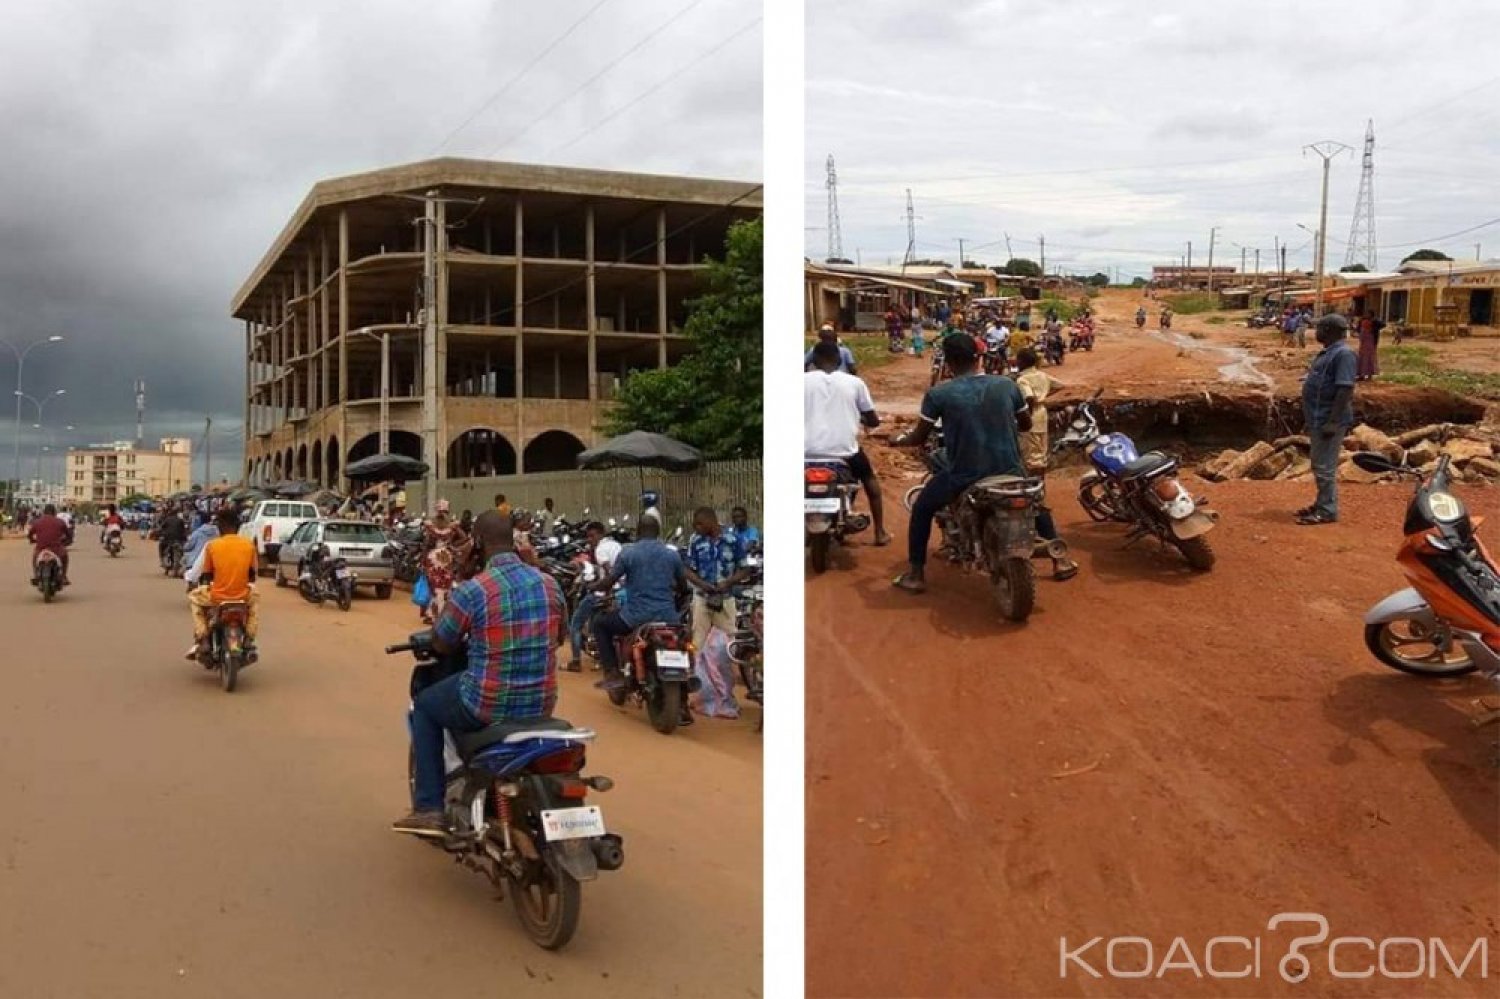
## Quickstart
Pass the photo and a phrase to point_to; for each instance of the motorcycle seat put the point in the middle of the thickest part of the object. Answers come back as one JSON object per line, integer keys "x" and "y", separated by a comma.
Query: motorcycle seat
{"x": 1147, "y": 464}
{"x": 1008, "y": 485}
{"x": 469, "y": 743}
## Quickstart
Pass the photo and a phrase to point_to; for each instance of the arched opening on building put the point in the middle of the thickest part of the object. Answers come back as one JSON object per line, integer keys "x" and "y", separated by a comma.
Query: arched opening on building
{"x": 553, "y": 451}
{"x": 301, "y": 465}
{"x": 286, "y": 464}
{"x": 276, "y": 468}
{"x": 479, "y": 453}
{"x": 317, "y": 462}
{"x": 333, "y": 461}
{"x": 249, "y": 470}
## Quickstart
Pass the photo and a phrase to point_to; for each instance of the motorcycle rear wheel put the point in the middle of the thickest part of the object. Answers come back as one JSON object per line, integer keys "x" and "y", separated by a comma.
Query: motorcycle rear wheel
{"x": 548, "y": 909}
{"x": 346, "y": 596}
{"x": 819, "y": 544}
{"x": 1012, "y": 580}
{"x": 664, "y": 708}
{"x": 1197, "y": 552}
{"x": 229, "y": 672}
{"x": 49, "y": 590}
{"x": 1384, "y": 641}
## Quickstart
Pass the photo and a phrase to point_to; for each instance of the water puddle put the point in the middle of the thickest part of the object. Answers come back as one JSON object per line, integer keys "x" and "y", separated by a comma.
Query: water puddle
{"x": 1240, "y": 366}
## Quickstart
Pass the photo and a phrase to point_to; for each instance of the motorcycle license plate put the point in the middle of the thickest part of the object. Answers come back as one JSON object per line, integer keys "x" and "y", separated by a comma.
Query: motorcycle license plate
{"x": 822, "y": 505}
{"x": 670, "y": 662}
{"x": 572, "y": 823}
{"x": 343, "y": 573}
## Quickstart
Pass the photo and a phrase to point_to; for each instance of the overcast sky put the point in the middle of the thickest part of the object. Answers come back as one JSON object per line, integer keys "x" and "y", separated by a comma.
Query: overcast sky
{"x": 149, "y": 153}
{"x": 1121, "y": 130}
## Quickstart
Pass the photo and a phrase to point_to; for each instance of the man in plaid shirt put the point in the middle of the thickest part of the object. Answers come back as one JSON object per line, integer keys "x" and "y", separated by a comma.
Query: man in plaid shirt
{"x": 514, "y": 618}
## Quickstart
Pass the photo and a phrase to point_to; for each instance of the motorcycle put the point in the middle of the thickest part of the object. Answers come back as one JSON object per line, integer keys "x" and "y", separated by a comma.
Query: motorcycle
{"x": 322, "y": 577}
{"x": 657, "y": 662}
{"x": 515, "y": 805}
{"x": 991, "y": 528}
{"x": 171, "y": 559}
{"x": 48, "y": 575}
{"x": 227, "y": 651}
{"x": 1166, "y": 320}
{"x": 1140, "y": 320}
{"x": 746, "y": 649}
{"x": 1082, "y": 337}
{"x": 114, "y": 543}
{"x": 828, "y": 507}
{"x": 1053, "y": 350}
{"x": 1141, "y": 490}
{"x": 1447, "y": 623}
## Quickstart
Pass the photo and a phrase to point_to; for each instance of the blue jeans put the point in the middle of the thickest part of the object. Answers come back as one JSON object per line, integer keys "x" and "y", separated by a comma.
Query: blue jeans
{"x": 607, "y": 628}
{"x": 581, "y": 615}
{"x": 436, "y": 708}
{"x": 939, "y": 491}
{"x": 1325, "y": 453}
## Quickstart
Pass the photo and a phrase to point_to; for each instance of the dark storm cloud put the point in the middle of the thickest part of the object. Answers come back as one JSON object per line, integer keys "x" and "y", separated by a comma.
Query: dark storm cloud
{"x": 1122, "y": 130}
{"x": 151, "y": 152}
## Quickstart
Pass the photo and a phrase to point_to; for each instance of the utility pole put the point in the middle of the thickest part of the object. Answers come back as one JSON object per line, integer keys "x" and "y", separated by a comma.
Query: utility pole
{"x": 1257, "y": 265}
{"x": 1242, "y": 261}
{"x": 1009, "y": 256}
{"x": 1212, "y": 232}
{"x": 208, "y": 451}
{"x": 1042, "y": 242}
{"x": 911, "y": 233}
{"x": 961, "y": 264}
{"x": 835, "y": 228}
{"x": 1327, "y": 149}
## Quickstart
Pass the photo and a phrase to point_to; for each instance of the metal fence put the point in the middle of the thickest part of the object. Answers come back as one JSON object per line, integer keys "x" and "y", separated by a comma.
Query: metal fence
{"x": 719, "y": 484}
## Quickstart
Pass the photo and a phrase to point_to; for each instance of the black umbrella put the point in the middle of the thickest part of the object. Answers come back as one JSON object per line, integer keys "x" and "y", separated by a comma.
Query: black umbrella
{"x": 386, "y": 466}
{"x": 293, "y": 487}
{"x": 641, "y": 449}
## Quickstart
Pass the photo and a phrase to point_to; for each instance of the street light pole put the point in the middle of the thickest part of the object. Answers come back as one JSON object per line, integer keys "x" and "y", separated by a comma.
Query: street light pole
{"x": 1328, "y": 150}
{"x": 20, "y": 366}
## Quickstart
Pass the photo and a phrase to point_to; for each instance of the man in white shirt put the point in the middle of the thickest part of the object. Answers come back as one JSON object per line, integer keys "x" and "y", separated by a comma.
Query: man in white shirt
{"x": 835, "y": 405}
{"x": 605, "y": 551}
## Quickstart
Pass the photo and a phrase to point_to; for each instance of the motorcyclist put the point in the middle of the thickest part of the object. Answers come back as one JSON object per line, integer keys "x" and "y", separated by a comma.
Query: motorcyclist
{"x": 196, "y": 541}
{"x": 982, "y": 416}
{"x": 1166, "y": 317}
{"x": 171, "y": 530}
{"x": 1140, "y": 316}
{"x": 653, "y": 570}
{"x": 112, "y": 523}
{"x": 230, "y": 560}
{"x": 50, "y": 533}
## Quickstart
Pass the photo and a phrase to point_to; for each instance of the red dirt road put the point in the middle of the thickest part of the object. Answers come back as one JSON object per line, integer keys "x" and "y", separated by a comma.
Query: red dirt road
{"x": 1156, "y": 754}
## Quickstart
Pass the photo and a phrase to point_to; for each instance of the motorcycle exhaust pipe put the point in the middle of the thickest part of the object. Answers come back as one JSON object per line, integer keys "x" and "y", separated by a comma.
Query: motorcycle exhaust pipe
{"x": 609, "y": 851}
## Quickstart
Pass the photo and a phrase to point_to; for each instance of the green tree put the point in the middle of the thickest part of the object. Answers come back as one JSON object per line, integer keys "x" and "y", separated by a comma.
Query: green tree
{"x": 1139, "y": 282}
{"x": 1021, "y": 267}
{"x": 712, "y": 398}
{"x": 1426, "y": 255}
{"x": 1354, "y": 269}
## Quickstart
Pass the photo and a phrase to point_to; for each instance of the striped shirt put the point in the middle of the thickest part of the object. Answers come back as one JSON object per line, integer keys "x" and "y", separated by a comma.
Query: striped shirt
{"x": 511, "y": 614}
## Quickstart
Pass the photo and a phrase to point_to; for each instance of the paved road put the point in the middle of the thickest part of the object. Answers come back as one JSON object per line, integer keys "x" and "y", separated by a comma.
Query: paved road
{"x": 159, "y": 837}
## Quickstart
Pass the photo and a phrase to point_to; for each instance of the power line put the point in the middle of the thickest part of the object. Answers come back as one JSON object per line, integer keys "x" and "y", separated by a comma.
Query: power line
{"x": 526, "y": 69}
{"x": 607, "y": 67}
{"x": 647, "y": 93}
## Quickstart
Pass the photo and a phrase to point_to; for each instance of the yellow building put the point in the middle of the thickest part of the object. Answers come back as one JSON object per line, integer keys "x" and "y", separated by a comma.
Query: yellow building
{"x": 1410, "y": 297}
{"x": 109, "y": 473}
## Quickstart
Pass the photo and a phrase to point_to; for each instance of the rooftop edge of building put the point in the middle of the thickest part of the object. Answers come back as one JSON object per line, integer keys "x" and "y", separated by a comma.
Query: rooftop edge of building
{"x": 459, "y": 172}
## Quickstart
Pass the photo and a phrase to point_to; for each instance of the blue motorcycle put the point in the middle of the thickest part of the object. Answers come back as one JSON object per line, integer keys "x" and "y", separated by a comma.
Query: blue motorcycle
{"x": 515, "y": 807}
{"x": 1142, "y": 490}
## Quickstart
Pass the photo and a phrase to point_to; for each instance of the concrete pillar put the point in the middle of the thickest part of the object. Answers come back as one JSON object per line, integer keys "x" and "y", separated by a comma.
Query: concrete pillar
{"x": 343, "y": 331}
{"x": 310, "y": 339}
{"x": 440, "y": 452}
{"x": 661, "y": 287}
{"x": 591, "y": 304}
{"x": 249, "y": 431}
{"x": 323, "y": 326}
{"x": 520, "y": 327}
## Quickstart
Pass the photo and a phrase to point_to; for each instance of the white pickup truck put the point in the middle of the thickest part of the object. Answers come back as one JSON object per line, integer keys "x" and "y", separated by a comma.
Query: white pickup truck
{"x": 270, "y": 523}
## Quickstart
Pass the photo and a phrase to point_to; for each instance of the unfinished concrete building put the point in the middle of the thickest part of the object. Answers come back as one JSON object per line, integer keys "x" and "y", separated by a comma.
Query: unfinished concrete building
{"x": 552, "y": 285}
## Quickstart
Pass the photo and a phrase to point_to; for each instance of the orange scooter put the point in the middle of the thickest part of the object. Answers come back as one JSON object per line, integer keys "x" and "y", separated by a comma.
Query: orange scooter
{"x": 1447, "y": 623}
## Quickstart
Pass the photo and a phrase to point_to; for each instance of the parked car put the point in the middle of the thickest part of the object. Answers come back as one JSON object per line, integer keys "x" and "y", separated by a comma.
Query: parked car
{"x": 271, "y": 521}
{"x": 363, "y": 546}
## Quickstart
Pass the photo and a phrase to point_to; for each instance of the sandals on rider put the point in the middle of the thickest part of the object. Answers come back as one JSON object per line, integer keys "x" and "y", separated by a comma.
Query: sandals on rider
{"x": 905, "y": 582}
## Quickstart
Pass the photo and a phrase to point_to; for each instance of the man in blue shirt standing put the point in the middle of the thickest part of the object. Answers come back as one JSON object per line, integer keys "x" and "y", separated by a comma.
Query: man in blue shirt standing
{"x": 846, "y": 356}
{"x": 1328, "y": 413}
{"x": 716, "y": 555}
{"x": 739, "y": 517}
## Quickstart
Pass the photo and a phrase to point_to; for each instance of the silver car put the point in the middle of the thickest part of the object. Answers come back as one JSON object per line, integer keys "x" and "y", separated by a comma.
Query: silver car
{"x": 362, "y": 545}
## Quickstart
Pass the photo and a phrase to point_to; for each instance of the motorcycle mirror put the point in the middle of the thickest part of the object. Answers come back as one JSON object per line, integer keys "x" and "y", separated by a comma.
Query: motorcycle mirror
{"x": 1369, "y": 461}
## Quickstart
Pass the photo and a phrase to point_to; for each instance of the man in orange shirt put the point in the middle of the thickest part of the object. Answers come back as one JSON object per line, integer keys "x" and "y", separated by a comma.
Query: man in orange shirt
{"x": 230, "y": 560}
